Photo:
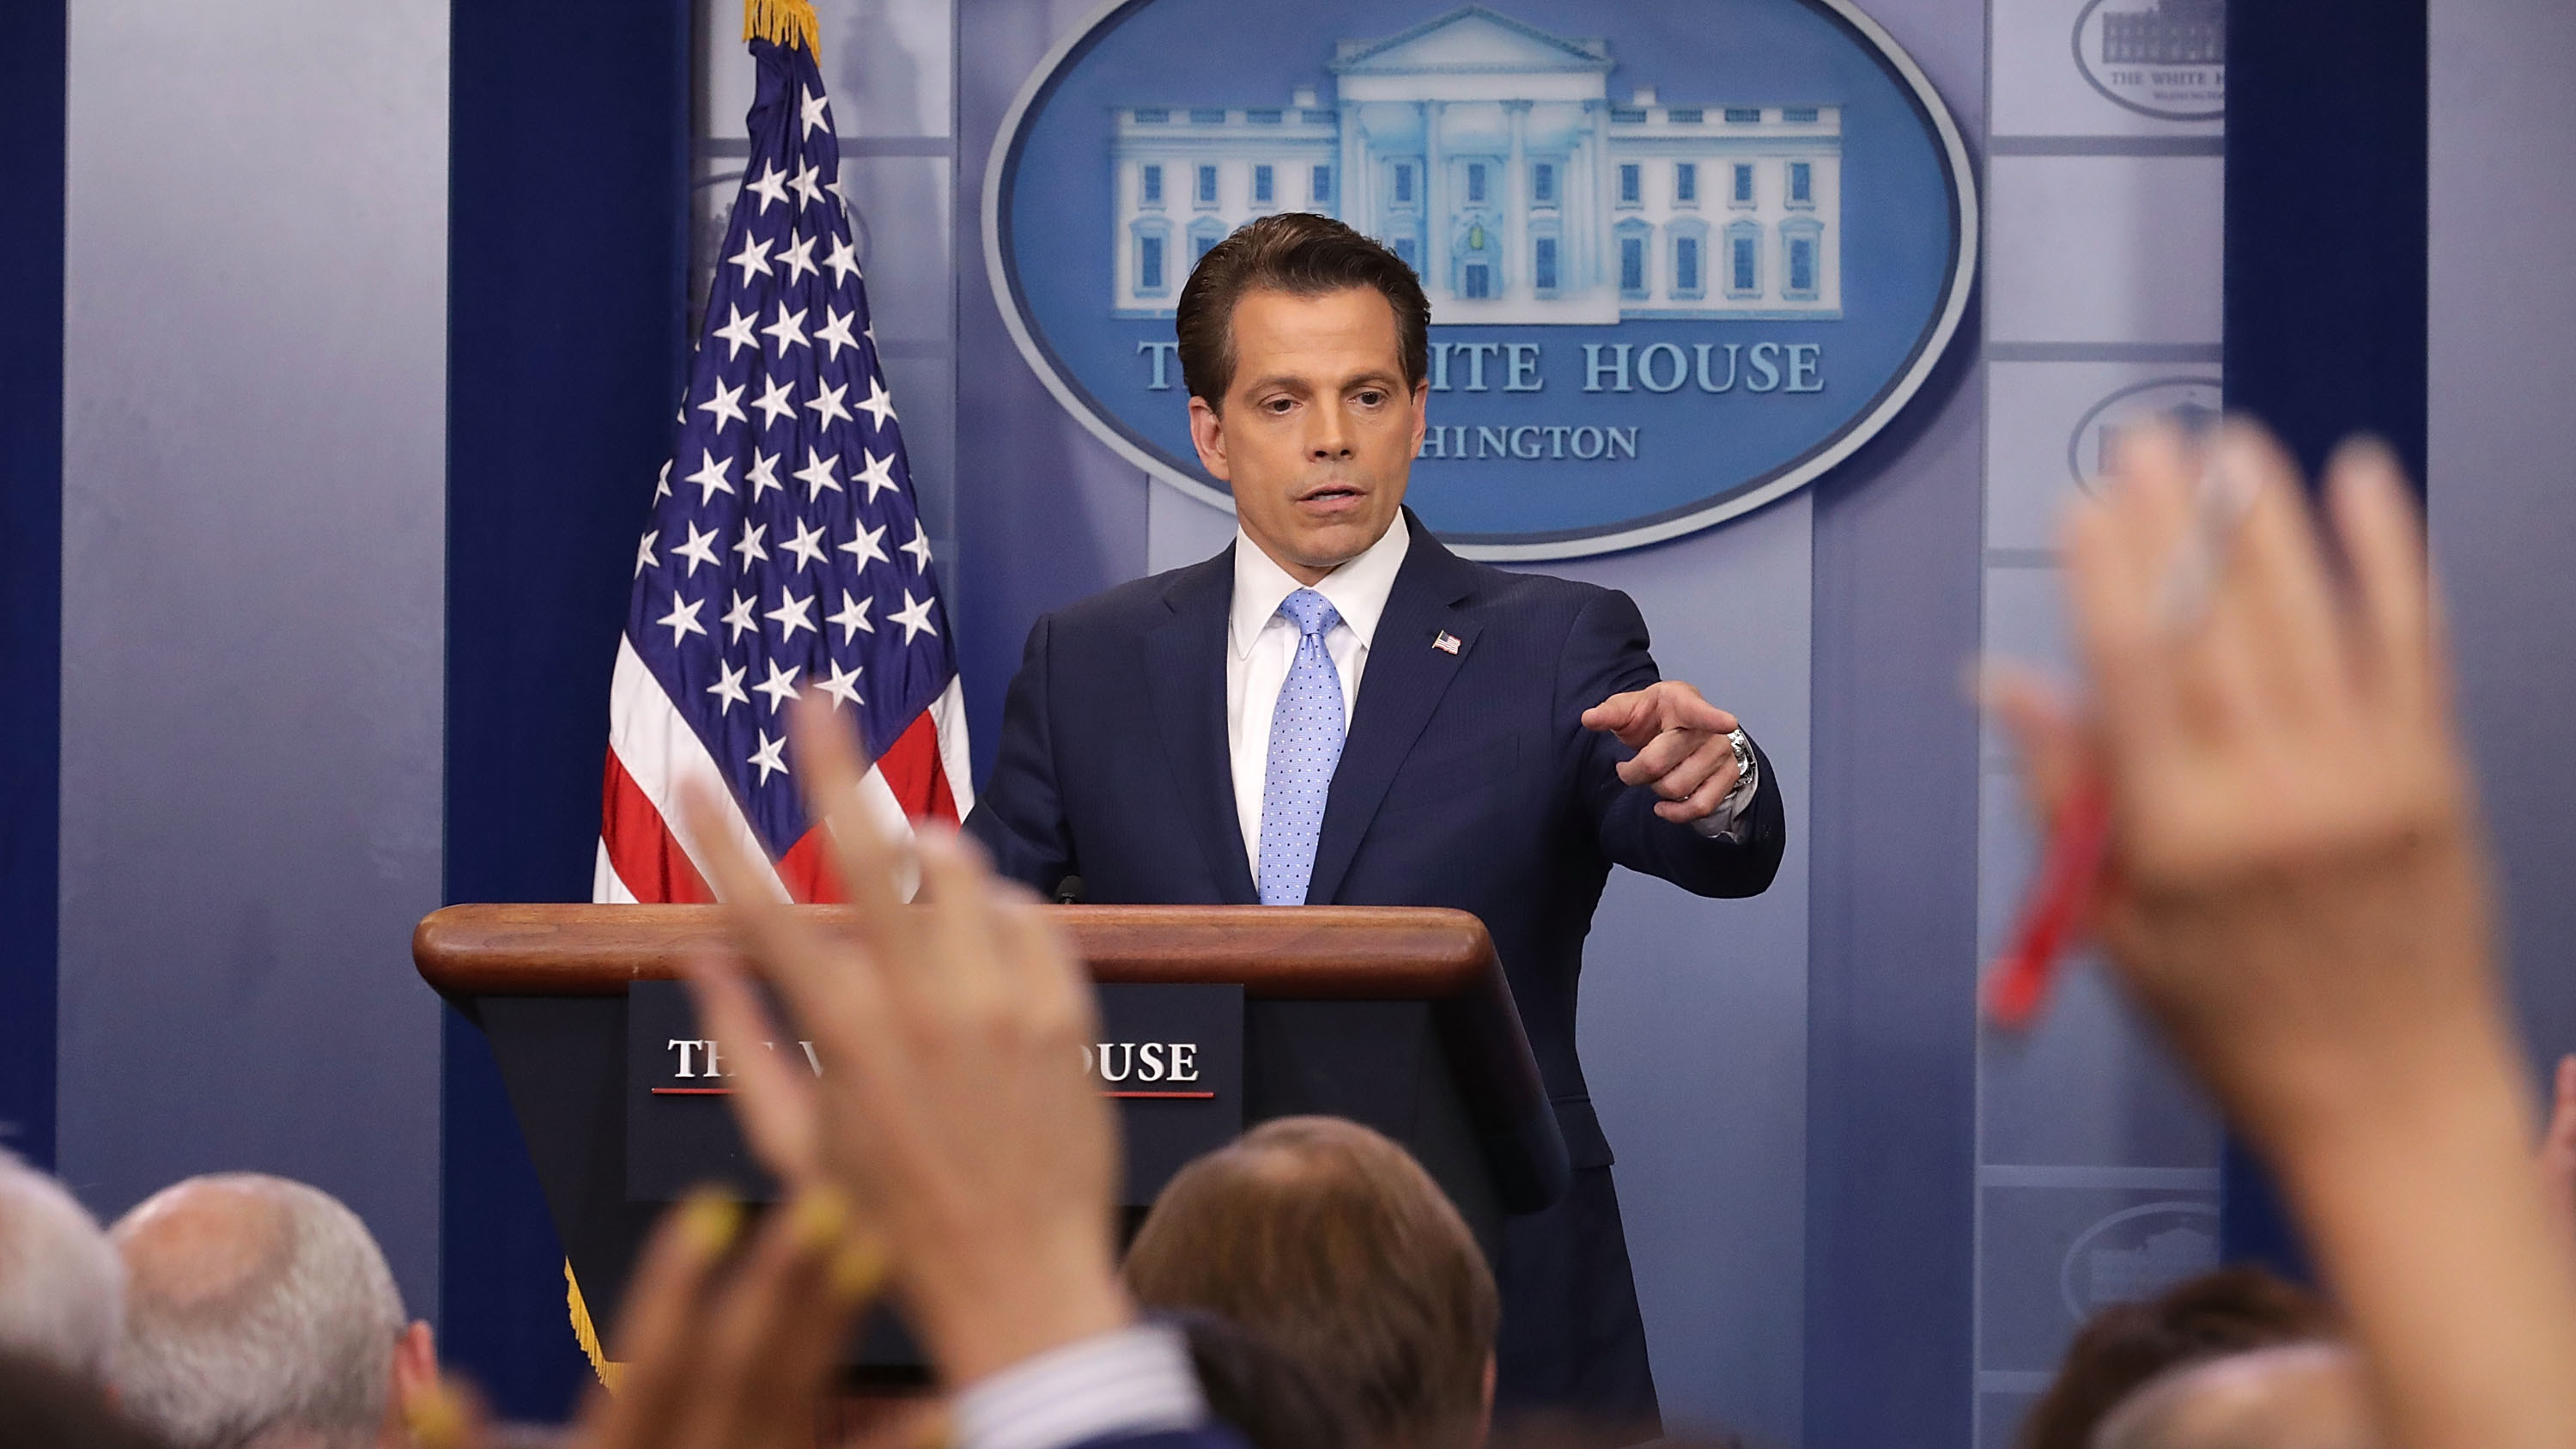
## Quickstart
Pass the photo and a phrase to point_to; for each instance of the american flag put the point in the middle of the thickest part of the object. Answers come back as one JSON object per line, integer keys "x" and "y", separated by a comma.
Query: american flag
{"x": 785, "y": 551}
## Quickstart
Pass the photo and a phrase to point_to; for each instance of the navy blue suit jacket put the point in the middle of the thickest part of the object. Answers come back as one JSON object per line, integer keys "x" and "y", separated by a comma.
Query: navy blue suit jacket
{"x": 1465, "y": 780}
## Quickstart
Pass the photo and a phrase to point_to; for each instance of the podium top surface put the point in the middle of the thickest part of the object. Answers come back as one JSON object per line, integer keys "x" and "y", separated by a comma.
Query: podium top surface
{"x": 1278, "y": 952}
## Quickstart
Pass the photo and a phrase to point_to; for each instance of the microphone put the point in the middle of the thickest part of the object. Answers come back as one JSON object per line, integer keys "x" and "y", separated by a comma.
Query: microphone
{"x": 1068, "y": 891}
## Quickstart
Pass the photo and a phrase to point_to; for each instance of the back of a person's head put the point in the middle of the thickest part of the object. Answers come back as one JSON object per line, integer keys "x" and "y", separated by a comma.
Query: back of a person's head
{"x": 1259, "y": 1390}
{"x": 259, "y": 1313}
{"x": 62, "y": 1291}
{"x": 43, "y": 1407}
{"x": 2228, "y": 1311}
{"x": 2288, "y": 1396}
{"x": 1331, "y": 1242}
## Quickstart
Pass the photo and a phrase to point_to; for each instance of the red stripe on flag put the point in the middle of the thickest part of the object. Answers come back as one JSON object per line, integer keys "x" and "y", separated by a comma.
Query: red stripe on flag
{"x": 640, "y": 845}
{"x": 910, "y": 768}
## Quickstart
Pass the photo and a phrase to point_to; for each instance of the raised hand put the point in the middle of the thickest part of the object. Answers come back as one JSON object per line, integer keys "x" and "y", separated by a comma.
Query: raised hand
{"x": 1680, "y": 739}
{"x": 952, "y": 1105}
{"x": 725, "y": 1346}
{"x": 2296, "y": 892}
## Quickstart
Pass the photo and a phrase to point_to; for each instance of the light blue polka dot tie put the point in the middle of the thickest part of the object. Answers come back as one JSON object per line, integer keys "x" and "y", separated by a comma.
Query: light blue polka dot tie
{"x": 1305, "y": 745}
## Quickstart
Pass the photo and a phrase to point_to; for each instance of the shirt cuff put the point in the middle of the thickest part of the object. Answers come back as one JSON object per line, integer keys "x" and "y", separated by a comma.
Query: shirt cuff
{"x": 1133, "y": 1381}
{"x": 1719, "y": 824}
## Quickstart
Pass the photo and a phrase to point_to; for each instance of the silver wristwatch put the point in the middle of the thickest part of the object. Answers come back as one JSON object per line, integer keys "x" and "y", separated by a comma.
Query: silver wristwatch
{"x": 1748, "y": 774}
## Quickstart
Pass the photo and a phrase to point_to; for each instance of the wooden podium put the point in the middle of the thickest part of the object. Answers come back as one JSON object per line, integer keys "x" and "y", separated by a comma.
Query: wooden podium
{"x": 1396, "y": 1017}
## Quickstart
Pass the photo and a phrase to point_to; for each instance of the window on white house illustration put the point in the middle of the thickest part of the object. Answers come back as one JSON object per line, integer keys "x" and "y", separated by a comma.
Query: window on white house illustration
{"x": 1631, "y": 183}
{"x": 1322, "y": 190}
{"x": 1686, "y": 266}
{"x": 1686, "y": 182}
{"x": 1476, "y": 182}
{"x": 1802, "y": 242}
{"x": 1802, "y": 183}
{"x": 1743, "y": 262}
{"x": 1202, "y": 237}
{"x": 1153, "y": 186}
{"x": 1207, "y": 186}
{"x": 1543, "y": 263}
{"x": 1263, "y": 185}
{"x": 1744, "y": 183}
{"x": 1404, "y": 252}
{"x": 1403, "y": 184}
{"x": 1632, "y": 265}
{"x": 1476, "y": 281}
{"x": 1543, "y": 184}
{"x": 1149, "y": 264}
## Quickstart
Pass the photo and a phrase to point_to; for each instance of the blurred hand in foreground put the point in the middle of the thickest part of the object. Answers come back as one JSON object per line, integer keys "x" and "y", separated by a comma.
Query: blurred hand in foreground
{"x": 725, "y": 1346}
{"x": 952, "y": 1105}
{"x": 2296, "y": 893}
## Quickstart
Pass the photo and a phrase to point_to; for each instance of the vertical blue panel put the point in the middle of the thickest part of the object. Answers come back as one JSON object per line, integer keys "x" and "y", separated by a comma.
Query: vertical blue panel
{"x": 2326, "y": 285}
{"x": 253, "y": 353}
{"x": 2502, "y": 353}
{"x": 31, "y": 566}
{"x": 1891, "y": 983}
{"x": 567, "y": 278}
{"x": 1045, "y": 515}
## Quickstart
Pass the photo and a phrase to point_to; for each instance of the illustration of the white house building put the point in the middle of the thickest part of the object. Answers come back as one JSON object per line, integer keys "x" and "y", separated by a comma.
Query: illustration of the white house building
{"x": 1488, "y": 154}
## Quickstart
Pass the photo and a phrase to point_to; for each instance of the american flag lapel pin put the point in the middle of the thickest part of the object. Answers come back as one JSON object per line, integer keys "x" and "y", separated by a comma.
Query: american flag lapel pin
{"x": 1445, "y": 642}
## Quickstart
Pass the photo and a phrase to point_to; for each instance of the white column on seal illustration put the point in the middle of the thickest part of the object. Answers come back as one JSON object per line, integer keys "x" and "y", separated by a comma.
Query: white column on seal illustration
{"x": 1596, "y": 227}
{"x": 1354, "y": 191}
{"x": 1516, "y": 201}
{"x": 1435, "y": 204}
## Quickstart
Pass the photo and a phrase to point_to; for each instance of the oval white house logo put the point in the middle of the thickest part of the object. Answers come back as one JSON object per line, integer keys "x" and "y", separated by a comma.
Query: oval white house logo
{"x": 2190, "y": 403}
{"x": 1681, "y": 259}
{"x": 2161, "y": 58}
{"x": 2136, "y": 1253}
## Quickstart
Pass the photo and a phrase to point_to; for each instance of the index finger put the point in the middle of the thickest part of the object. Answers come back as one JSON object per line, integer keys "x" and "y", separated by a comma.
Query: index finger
{"x": 1616, "y": 715}
{"x": 832, "y": 774}
{"x": 1687, "y": 708}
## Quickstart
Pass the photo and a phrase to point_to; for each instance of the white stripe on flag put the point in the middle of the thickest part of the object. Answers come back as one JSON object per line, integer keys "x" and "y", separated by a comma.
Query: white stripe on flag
{"x": 659, "y": 751}
{"x": 662, "y": 755}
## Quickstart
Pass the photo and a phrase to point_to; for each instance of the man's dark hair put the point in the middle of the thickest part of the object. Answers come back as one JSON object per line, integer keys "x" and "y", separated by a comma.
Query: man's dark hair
{"x": 1258, "y": 1389}
{"x": 1331, "y": 1243}
{"x": 2211, "y": 1316}
{"x": 1304, "y": 255}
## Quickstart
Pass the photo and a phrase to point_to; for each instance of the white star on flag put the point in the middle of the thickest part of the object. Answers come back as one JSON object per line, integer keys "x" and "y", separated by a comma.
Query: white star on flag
{"x": 914, "y": 616}
{"x": 780, "y": 686}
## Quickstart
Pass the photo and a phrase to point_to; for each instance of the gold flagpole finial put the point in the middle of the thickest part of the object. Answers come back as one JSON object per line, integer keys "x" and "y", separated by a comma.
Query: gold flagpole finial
{"x": 783, "y": 22}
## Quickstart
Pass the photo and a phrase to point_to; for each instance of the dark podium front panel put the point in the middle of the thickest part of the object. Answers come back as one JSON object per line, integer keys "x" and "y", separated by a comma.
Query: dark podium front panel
{"x": 1398, "y": 1019}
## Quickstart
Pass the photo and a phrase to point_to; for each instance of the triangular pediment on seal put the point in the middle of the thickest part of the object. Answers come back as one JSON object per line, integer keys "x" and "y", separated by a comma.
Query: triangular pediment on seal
{"x": 1470, "y": 39}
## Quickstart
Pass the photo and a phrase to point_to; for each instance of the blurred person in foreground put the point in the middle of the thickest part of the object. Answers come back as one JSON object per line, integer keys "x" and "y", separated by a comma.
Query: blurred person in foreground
{"x": 260, "y": 1315}
{"x": 42, "y": 1407}
{"x": 2287, "y": 1396}
{"x": 1330, "y": 1241}
{"x": 62, "y": 1291}
{"x": 2212, "y": 1315}
{"x": 2296, "y": 893}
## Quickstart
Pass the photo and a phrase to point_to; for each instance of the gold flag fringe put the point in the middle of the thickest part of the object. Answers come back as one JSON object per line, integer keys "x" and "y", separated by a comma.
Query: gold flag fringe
{"x": 784, "y": 22}
{"x": 609, "y": 1371}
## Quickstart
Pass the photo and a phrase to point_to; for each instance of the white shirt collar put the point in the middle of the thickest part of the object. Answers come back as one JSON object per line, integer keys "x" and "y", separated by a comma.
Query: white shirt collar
{"x": 1358, "y": 589}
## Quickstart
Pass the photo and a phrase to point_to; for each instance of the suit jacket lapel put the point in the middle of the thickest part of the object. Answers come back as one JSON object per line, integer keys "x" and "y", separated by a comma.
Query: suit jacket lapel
{"x": 1403, "y": 683}
{"x": 1185, "y": 676}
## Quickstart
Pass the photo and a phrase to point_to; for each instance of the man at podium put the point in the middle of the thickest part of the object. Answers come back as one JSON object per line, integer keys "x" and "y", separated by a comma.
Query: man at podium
{"x": 1337, "y": 710}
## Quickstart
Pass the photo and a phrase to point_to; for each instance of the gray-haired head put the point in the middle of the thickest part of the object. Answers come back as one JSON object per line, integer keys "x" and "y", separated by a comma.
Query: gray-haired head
{"x": 259, "y": 1313}
{"x": 2289, "y": 1396}
{"x": 62, "y": 1290}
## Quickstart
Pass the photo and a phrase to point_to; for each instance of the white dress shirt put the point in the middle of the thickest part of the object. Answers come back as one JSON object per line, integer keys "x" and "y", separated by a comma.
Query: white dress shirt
{"x": 1132, "y": 1381}
{"x": 1261, "y": 644}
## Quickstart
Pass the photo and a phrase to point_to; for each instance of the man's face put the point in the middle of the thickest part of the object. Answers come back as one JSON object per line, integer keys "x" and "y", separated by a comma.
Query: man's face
{"x": 1318, "y": 430}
